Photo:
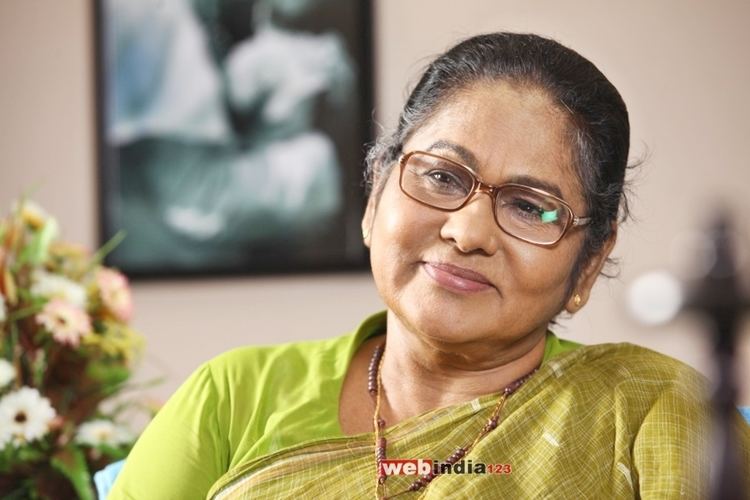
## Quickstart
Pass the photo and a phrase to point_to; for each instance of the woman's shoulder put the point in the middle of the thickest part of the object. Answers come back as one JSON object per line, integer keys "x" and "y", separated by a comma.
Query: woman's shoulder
{"x": 634, "y": 385}
{"x": 631, "y": 370}
{"x": 633, "y": 360}
{"x": 292, "y": 356}
{"x": 330, "y": 354}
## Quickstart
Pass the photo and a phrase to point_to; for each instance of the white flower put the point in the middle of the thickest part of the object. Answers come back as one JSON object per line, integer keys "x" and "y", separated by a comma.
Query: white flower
{"x": 24, "y": 416}
{"x": 2, "y": 308}
{"x": 50, "y": 285}
{"x": 7, "y": 373}
{"x": 98, "y": 432}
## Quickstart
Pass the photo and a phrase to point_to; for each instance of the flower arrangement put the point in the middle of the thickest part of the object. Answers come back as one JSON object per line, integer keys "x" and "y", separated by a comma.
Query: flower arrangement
{"x": 65, "y": 348}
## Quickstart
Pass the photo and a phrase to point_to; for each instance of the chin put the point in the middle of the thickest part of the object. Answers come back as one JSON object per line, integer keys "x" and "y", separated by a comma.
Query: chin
{"x": 445, "y": 321}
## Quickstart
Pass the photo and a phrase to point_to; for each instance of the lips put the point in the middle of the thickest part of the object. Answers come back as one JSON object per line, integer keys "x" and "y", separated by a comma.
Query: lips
{"x": 456, "y": 278}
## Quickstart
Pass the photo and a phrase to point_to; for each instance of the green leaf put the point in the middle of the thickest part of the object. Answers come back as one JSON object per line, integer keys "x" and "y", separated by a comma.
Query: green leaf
{"x": 39, "y": 368}
{"x": 43, "y": 240}
{"x": 99, "y": 326}
{"x": 21, "y": 493}
{"x": 25, "y": 312}
{"x": 71, "y": 463}
{"x": 6, "y": 458}
{"x": 107, "y": 374}
{"x": 115, "y": 453}
{"x": 36, "y": 251}
{"x": 109, "y": 246}
{"x": 12, "y": 346}
{"x": 30, "y": 454}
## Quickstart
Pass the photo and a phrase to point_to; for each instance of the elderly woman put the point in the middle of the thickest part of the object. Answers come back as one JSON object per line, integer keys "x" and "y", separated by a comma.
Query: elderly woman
{"x": 493, "y": 208}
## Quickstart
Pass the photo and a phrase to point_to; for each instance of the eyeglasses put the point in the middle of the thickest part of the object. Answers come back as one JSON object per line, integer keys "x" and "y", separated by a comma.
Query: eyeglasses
{"x": 524, "y": 212}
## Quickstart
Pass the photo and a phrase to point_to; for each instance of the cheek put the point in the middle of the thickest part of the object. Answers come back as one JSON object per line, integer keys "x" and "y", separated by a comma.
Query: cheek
{"x": 402, "y": 230}
{"x": 540, "y": 270}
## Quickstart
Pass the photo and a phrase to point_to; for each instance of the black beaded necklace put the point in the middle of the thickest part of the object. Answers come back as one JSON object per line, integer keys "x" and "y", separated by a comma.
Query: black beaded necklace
{"x": 375, "y": 388}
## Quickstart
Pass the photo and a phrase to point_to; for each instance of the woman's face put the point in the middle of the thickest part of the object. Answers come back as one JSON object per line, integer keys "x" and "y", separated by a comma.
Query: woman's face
{"x": 422, "y": 258}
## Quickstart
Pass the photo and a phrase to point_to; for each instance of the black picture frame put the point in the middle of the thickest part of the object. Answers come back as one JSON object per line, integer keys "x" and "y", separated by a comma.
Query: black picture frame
{"x": 231, "y": 135}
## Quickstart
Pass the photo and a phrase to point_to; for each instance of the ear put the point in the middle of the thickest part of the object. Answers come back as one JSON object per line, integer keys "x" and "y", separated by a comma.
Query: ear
{"x": 585, "y": 282}
{"x": 368, "y": 219}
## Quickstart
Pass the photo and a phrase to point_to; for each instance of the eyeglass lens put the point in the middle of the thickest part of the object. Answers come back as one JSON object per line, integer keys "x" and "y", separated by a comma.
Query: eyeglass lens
{"x": 522, "y": 212}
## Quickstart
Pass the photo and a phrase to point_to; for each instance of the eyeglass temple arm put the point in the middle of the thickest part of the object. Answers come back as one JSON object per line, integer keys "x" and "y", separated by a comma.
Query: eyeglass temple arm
{"x": 580, "y": 221}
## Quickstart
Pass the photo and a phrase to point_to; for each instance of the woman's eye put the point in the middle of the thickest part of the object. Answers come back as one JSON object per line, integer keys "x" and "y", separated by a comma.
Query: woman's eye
{"x": 442, "y": 177}
{"x": 528, "y": 209}
{"x": 537, "y": 214}
{"x": 445, "y": 180}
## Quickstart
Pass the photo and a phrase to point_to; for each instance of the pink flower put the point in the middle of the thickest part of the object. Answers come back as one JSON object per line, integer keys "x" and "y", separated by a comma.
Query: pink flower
{"x": 67, "y": 323}
{"x": 115, "y": 293}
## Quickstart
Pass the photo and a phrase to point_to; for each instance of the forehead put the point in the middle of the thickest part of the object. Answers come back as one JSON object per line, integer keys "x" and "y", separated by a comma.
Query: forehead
{"x": 504, "y": 132}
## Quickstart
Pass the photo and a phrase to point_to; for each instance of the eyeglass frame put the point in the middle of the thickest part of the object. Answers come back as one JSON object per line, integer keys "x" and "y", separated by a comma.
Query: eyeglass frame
{"x": 491, "y": 190}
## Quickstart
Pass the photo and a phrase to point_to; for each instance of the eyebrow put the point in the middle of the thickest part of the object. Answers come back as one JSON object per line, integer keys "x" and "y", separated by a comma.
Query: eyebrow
{"x": 530, "y": 181}
{"x": 470, "y": 160}
{"x": 463, "y": 153}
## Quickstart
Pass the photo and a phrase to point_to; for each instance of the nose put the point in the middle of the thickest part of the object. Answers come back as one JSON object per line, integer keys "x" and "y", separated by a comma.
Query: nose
{"x": 473, "y": 227}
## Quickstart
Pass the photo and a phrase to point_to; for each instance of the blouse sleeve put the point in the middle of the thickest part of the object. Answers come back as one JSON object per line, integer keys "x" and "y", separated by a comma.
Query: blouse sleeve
{"x": 182, "y": 452}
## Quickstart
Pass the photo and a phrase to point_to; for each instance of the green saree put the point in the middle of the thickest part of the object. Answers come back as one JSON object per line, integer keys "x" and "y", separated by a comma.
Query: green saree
{"x": 605, "y": 421}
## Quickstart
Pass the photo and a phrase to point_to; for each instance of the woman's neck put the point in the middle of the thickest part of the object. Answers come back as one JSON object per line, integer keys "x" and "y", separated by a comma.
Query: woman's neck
{"x": 420, "y": 374}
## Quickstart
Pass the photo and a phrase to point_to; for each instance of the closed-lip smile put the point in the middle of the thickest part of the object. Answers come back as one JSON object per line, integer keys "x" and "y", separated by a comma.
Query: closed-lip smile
{"x": 457, "y": 278}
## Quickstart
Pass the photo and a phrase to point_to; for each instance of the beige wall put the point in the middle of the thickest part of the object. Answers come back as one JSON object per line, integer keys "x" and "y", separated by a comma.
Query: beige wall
{"x": 680, "y": 65}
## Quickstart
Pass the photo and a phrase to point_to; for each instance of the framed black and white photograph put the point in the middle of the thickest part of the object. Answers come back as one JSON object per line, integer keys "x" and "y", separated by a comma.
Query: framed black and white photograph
{"x": 232, "y": 134}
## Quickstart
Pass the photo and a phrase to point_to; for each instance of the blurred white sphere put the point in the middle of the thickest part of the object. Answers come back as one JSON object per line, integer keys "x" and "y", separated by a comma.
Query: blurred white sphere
{"x": 655, "y": 298}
